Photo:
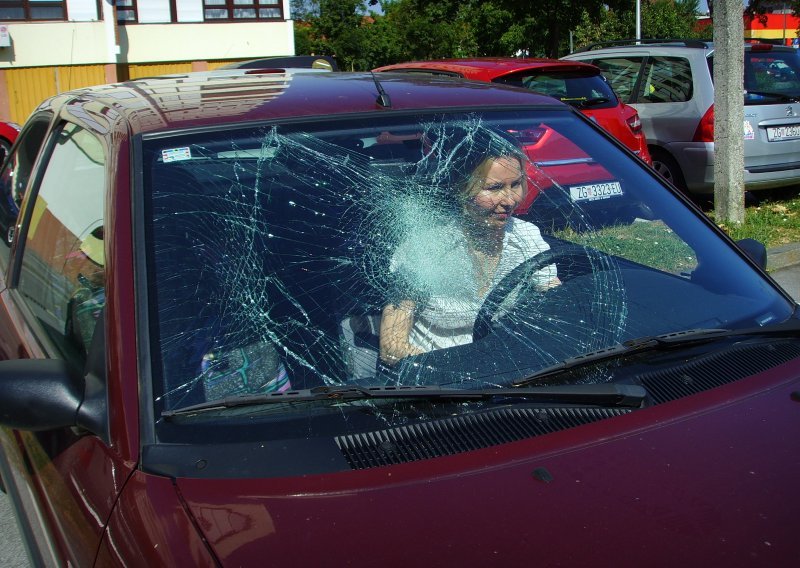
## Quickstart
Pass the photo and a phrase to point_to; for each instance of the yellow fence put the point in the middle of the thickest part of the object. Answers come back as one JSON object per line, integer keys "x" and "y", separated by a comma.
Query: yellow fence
{"x": 27, "y": 87}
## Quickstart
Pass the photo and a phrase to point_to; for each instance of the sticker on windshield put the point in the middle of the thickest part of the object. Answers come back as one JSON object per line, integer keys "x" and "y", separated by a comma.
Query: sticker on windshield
{"x": 176, "y": 154}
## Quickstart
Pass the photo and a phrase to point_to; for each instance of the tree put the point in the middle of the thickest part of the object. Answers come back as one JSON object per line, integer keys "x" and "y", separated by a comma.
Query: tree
{"x": 542, "y": 28}
{"x": 611, "y": 24}
{"x": 660, "y": 19}
{"x": 420, "y": 29}
{"x": 669, "y": 19}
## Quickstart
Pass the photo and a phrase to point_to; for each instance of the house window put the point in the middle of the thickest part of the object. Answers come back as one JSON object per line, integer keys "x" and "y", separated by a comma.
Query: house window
{"x": 32, "y": 10}
{"x": 242, "y": 10}
{"x": 161, "y": 11}
{"x": 126, "y": 11}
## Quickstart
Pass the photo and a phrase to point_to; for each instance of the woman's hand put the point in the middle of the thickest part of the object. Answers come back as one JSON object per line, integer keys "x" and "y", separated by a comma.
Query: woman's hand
{"x": 396, "y": 322}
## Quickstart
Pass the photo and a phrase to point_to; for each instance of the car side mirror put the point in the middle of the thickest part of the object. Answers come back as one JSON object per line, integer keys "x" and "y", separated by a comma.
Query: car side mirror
{"x": 39, "y": 394}
{"x": 755, "y": 251}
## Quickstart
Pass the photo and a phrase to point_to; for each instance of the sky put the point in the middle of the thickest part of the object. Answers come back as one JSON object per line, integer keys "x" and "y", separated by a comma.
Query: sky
{"x": 703, "y": 5}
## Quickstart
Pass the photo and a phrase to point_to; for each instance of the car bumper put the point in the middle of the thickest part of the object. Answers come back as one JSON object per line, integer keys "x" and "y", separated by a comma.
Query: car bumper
{"x": 696, "y": 161}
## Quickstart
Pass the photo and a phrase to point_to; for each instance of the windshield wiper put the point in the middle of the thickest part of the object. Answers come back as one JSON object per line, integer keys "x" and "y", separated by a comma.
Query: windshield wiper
{"x": 582, "y": 102}
{"x": 780, "y": 96}
{"x": 599, "y": 395}
{"x": 666, "y": 341}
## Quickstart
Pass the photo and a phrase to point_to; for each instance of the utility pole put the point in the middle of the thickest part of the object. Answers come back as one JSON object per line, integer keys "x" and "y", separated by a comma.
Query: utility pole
{"x": 728, "y": 111}
{"x": 638, "y": 20}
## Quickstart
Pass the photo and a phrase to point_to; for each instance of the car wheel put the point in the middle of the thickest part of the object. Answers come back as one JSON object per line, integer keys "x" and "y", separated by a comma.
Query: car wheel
{"x": 666, "y": 166}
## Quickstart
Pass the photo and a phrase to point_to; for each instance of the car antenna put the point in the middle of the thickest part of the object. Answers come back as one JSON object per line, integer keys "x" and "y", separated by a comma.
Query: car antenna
{"x": 383, "y": 98}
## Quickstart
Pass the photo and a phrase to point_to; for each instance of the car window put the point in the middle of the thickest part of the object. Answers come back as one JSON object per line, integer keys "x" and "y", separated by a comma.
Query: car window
{"x": 287, "y": 256}
{"x": 666, "y": 80}
{"x": 771, "y": 76}
{"x": 581, "y": 89}
{"x": 622, "y": 72}
{"x": 62, "y": 273}
{"x": 14, "y": 179}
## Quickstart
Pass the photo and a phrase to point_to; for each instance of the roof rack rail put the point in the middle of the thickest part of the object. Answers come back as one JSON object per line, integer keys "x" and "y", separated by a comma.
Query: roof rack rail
{"x": 696, "y": 43}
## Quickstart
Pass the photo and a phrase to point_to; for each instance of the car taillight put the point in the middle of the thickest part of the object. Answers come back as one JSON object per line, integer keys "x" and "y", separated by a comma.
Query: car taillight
{"x": 705, "y": 130}
{"x": 761, "y": 47}
{"x": 635, "y": 123}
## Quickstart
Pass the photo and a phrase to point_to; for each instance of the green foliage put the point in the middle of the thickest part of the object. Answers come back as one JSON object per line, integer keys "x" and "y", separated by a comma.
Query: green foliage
{"x": 774, "y": 219}
{"x": 420, "y": 29}
{"x": 651, "y": 243}
{"x": 659, "y": 19}
{"x": 666, "y": 19}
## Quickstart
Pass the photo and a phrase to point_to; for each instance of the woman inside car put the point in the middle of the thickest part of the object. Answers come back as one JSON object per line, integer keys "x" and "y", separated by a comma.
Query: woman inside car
{"x": 442, "y": 276}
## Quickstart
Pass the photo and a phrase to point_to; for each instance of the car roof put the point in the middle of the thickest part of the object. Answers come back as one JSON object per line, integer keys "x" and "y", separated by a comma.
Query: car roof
{"x": 220, "y": 97}
{"x": 495, "y": 66}
{"x": 680, "y": 45}
{"x": 646, "y": 43}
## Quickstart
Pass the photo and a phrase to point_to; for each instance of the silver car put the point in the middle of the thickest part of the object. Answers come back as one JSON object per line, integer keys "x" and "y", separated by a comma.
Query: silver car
{"x": 670, "y": 85}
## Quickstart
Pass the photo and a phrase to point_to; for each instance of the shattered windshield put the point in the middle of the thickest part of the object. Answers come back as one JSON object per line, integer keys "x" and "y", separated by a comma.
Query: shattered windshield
{"x": 463, "y": 250}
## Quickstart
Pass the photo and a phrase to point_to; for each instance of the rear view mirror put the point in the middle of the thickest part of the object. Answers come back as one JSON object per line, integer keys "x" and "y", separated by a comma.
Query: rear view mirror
{"x": 39, "y": 394}
{"x": 755, "y": 251}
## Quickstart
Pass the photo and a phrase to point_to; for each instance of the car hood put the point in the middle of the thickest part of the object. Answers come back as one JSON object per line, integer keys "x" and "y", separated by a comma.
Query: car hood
{"x": 709, "y": 478}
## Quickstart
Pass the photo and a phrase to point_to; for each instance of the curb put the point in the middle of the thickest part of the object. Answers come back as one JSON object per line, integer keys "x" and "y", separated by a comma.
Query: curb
{"x": 783, "y": 256}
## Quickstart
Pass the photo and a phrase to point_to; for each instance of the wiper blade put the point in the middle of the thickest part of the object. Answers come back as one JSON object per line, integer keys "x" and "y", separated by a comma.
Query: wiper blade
{"x": 583, "y": 102}
{"x": 785, "y": 97}
{"x": 657, "y": 342}
{"x": 600, "y": 395}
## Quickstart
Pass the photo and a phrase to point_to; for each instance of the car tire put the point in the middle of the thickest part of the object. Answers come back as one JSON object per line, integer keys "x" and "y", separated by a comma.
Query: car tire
{"x": 666, "y": 166}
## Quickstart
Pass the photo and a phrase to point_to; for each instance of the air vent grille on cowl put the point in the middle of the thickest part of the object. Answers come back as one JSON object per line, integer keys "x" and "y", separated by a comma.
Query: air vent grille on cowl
{"x": 462, "y": 433}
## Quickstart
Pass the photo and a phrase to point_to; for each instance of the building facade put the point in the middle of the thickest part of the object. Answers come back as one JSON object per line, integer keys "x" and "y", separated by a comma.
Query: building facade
{"x": 51, "y": 46}
{"x": 779, "y": 26}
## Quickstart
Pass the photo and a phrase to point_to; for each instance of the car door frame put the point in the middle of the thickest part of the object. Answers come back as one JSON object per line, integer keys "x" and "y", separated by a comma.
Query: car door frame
{"x": 64, "y": 483}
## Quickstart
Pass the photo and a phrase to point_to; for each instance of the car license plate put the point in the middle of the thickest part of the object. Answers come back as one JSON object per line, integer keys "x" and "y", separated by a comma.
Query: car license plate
{"x": 777, "y": 133}
{"x": 595, "y": 191}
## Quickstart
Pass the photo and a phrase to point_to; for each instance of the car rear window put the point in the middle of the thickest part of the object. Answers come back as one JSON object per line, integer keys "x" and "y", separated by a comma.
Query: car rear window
{"x": 771, "y": 76}
{"x": 581, "y": 89}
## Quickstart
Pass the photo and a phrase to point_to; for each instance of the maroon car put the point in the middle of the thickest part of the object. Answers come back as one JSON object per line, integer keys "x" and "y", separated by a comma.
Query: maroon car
{"x": 195, "y": 310}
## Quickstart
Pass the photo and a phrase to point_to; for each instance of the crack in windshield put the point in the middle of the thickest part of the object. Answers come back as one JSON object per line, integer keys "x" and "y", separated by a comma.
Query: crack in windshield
{"x": 410, "y": 250}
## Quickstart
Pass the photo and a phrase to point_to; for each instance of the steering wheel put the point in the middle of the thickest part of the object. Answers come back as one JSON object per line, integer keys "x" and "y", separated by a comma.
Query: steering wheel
{"x": 578, "y": 262}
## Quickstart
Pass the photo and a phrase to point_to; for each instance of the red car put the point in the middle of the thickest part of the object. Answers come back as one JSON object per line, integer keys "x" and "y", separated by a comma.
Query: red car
{"x": 194, "y": 311}
{"x": 8, "y": 134}
{"x": 582, "y": 86}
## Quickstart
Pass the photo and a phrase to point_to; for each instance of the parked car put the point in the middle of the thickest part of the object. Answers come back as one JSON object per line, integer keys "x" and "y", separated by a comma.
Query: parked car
{"x": 9, "y": 204}
{"x": 559, "y": 162}
{"x": 8, "y": 134}
{"x": 671, "y": 84}
{"x": 321, "y": 62}
{"x": 195, "y": 297}
{"x": 582, "y": 86}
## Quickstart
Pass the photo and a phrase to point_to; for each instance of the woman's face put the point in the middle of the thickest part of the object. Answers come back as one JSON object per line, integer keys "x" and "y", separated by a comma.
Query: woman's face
{"x": 498, "y": 189}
